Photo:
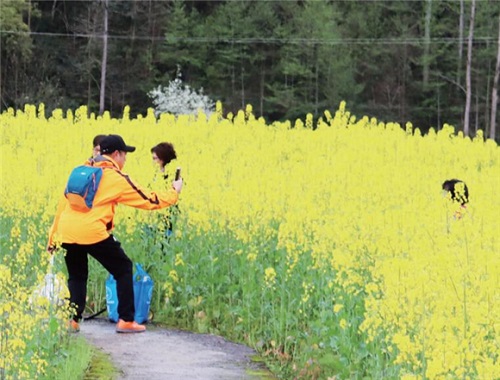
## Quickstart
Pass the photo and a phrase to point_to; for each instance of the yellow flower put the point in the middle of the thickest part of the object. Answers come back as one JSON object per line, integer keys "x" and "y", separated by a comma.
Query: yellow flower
{"x": 251, "y": 257}
{"x": 337, "y": 307}
{"x": 343, "y": 324}
{"x": 169, "y": 290}
{"x": 269, "y": 276}
{"x": 173, "y": 275}
{"x": 178, "y": 260}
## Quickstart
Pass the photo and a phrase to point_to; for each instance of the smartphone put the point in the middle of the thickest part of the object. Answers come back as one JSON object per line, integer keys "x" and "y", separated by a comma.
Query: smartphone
{"x": 177, "y": 173}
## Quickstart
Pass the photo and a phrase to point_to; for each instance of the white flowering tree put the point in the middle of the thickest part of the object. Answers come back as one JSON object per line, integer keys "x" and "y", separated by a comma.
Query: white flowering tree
{"x": 179, "y": 99}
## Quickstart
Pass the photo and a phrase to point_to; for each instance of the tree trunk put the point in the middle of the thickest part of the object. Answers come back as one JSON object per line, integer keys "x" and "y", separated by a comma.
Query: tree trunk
{"x": 402, "y": 85}
{"x": 494, "y": 92}
{"x": 29, "y": 15}
{"x": 468, "y": 89}
{"x": 54, "y": 9}
{"x": 460, "y": 41}
{"x": 233, "y": 78}
{"x": 242, "y": 78}
{"x": 316, "y": 83}
{"x": 88, "y": 65}
{"x": 262, "y": 84}
{"x": 476, "y": 122}
{"x": 152, "y": 32}
{"x": 427, "y": 43}
{"x": 89, "y": 93}
{"x": 2, "y": 102}
{"x": 438, "y": 109}
{"x": 104, "y": 58}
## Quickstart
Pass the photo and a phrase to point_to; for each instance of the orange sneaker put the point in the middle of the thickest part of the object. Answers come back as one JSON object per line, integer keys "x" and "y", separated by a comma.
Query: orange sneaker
{"x": 129, "y": 327}
{"x": 73, "y": 326}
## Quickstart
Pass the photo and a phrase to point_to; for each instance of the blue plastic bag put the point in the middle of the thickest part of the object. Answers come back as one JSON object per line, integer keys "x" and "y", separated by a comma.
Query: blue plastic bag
{"x": 143, "y": 293}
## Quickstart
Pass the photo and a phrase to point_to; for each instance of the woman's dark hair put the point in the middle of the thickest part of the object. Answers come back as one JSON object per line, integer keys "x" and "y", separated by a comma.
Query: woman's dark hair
{"x": 97, "y": 140}
{"x": 165, "y": 152}
{"x": 462, "y": 198}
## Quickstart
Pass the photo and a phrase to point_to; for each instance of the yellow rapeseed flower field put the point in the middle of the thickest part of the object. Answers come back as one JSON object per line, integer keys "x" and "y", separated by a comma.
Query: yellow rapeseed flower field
{"x": 355, "y": 210}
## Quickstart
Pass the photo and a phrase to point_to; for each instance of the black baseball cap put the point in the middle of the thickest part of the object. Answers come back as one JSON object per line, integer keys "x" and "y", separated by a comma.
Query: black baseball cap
{"x": 114, "y": 142}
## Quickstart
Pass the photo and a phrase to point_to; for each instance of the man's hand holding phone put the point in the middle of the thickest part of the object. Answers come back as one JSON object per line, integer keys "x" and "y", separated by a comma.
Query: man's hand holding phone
{"x": 177, "y": 183}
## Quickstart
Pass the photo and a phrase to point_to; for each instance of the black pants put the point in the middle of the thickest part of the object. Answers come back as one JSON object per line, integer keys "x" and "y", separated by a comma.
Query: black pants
{"x": 112, "y": 257}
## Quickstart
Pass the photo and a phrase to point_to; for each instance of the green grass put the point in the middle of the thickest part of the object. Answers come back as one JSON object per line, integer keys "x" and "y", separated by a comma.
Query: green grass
{"x": 100, "y": 367}
{"x": 82, "y": 361}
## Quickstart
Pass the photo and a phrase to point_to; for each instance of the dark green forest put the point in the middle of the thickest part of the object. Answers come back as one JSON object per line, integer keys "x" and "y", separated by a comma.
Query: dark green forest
{"x": 425, "y": 61}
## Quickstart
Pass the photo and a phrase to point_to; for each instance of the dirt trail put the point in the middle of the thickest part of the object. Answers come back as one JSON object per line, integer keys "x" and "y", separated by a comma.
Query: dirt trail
{"x": 165, "y": 354}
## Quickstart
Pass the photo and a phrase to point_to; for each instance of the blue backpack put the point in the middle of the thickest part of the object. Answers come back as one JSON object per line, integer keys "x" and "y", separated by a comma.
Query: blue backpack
{"x": 143, "y": 293}
{"x": 82, "y": 186}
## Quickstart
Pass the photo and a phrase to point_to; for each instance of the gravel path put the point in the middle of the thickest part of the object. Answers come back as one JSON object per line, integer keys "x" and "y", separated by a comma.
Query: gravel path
{"x": 164, "y": 354}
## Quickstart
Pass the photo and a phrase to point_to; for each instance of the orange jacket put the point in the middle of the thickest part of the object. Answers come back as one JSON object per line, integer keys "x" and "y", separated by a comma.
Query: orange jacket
{"x": 115, "y": 187}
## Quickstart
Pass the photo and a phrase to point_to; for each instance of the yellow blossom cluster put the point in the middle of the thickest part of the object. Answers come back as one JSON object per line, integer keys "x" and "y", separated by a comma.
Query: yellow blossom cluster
{"x": 361, "y": 197}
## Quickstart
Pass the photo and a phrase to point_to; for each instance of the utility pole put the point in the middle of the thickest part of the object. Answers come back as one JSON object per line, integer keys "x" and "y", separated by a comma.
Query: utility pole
{"x": 104, "y": 58}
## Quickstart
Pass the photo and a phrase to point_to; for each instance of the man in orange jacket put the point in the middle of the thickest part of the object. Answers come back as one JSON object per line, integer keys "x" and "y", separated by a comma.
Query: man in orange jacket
{"x": 83, "y": 233}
